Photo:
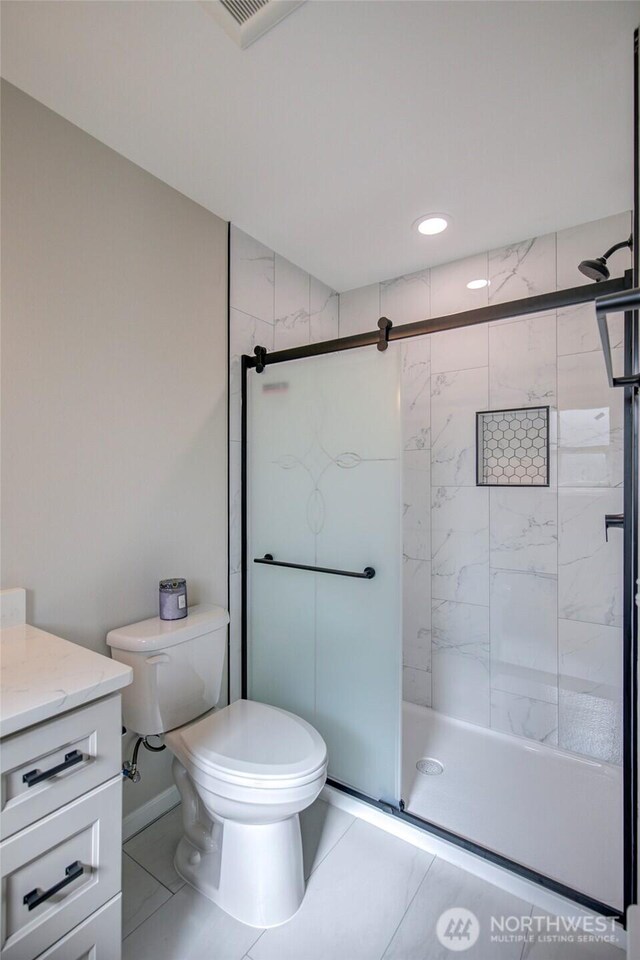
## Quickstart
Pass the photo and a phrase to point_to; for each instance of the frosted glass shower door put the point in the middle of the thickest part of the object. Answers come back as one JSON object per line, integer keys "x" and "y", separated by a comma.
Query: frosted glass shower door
{"x": 324, "y": 489}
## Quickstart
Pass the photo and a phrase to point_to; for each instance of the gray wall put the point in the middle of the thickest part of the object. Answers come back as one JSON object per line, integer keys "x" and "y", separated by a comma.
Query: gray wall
{"x": 114, "y": 386}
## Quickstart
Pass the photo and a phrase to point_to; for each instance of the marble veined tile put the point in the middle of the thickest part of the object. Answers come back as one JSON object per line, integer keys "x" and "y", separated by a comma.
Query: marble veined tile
{"x": 590, "y": 666}
{"x": 524, "y": 717}
{"x": 252, "y": 276}
{"x": 291, "y": 305}
{"x": 524, "y": 634}
{"x": 590, "y": 422}
{"x": 524, "y": 529}
{"x": 354, "y": 900}
{"x": 590, "y": 240}
{"x": 522, "y": 362}
{"x": 449, "y": 292}
{"x": 189, "y": 927}
{"x": 321, "y": 825}
{"x": 560, "y": 941}
{"x": 416, "y": 522}
{"x": 416, "y": 686}
{"x": 578, "y": 330}
{"x": 460, "y": 349}
{"x": 245, "y": 334}
{"x": 443, "y": 887}
{"x": 416, "y": 613}
{"x": 359, "y": 310}
{"x": 589, "y": 567}
{"x": 324, "y": 308}
{"x": 141, "y": 895}
{"x": 460, "y": 660}
{"x": 460, "y": 544}
{"x": 406, "y": 299}
{"x": 416, "y": 392}
{"x": 524, "y": 269}
{"x": 455, "y": 399}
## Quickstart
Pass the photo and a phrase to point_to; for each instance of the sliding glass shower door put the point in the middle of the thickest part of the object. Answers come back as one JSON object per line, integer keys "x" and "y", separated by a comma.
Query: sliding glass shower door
{"x": 324, "y": 495}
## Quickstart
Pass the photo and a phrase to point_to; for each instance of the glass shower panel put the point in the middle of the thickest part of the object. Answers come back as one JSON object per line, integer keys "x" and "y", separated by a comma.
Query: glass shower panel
{"x": 324, "y": 490}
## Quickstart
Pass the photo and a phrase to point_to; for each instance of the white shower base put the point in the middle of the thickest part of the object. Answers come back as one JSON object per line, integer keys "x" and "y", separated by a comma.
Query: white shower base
{"x": 555, "y": 812}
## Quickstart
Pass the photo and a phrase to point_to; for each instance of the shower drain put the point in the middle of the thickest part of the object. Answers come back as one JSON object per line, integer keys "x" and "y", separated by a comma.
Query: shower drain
{"x": 429, "y": 766}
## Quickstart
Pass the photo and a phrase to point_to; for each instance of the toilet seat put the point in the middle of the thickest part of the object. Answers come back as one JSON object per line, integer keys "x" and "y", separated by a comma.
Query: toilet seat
{"x": 251, "y": 744}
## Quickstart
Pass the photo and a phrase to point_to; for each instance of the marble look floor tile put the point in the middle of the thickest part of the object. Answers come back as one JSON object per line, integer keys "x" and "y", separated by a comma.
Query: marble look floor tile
{"x": 406, "y": 299}
{"x": 252, "y": 276}
{"x": 589, "y": 567}
{"x": 141, "y": 895}
{"x": 416, "y": 392}
{"x": 354, "y": 900}
{"x": 291, "y": 311}
{"x": 460, "y": 349}
{"x": 460, "y": 544}
{"x": 455, "y": 399}
{"x": 322, "y": 825}
{"x": 245, "y": 334}
{"x": 154, "y": 848}
{"x": 446, "y": 886}
{"x": 189, "y": 927}
{"x": 460, "y": 660}
{"x": 416, "y": 686}
{"x": 524, "y": 633}
{"x": 590, "y": 422}
{"x": 416, "y": 613}
{"x": 359, "y": 310}
{"x": 542, "y": 947}
{"x": 449, "y": 293}
{"x": 578, "y": 330}
{"x": 324, "y": 309}
{"x": 523, "y": 526}
{"x": 590, "y": 668}
{"x": 524, "y": 717}
{"x": 524, "y": 269}
{"x": 522, "y": 362}
{"x": 416, "y": 518}
{"x": 589, "y": 240}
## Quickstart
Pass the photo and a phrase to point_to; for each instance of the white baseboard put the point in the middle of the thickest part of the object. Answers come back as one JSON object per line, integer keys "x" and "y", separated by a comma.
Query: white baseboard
{"x": 142, "y": 816}
{"x": 545, "y": 900}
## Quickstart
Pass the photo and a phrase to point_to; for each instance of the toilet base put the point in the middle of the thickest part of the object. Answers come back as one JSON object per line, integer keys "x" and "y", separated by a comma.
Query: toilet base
{"x": 254, "y": 871}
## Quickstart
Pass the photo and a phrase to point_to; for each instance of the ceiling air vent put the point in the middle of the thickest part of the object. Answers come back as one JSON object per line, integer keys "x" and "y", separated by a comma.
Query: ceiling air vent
{"x": 247, "y": 20}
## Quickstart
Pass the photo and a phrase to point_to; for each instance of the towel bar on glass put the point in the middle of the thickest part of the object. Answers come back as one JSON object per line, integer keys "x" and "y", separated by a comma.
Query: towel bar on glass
{"x": 367, "y": 574}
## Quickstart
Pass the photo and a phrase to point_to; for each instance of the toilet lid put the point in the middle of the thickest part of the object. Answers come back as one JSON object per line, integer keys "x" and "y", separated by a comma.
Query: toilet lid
{"x": 254, "y": 740}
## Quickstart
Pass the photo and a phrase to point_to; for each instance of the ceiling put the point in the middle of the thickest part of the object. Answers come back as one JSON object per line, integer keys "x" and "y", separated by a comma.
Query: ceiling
{"x": 330, "y": 135}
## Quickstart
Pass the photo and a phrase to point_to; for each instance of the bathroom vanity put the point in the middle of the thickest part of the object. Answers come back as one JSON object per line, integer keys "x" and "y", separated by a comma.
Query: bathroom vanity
{"x": 61, "y": 819}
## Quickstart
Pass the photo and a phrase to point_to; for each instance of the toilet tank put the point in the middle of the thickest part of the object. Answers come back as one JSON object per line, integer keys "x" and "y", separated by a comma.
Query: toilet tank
{"x": 177, "y": 668}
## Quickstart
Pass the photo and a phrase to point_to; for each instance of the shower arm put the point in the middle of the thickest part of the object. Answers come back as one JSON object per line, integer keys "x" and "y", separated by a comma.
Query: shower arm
{"x": 618, "y": 246}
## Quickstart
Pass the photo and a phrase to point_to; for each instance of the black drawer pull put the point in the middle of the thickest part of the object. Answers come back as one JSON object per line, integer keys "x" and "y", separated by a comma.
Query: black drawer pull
{"x": 72, "y": 872}
{"x": 37, "y": 776}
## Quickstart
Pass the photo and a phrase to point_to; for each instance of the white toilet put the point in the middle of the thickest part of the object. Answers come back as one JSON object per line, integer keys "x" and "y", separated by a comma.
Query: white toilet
{"x": 244, "y": 772}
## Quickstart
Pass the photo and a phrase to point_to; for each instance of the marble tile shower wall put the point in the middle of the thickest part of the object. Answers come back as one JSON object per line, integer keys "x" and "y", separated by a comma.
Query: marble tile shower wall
{"x": 512, "y": 597}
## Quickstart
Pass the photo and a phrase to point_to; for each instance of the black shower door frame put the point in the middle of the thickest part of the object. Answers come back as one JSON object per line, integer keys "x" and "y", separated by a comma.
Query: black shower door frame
{"x": 386, "y": 333}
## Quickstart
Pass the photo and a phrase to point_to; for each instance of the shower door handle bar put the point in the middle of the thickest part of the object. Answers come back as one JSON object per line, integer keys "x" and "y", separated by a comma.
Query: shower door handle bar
{"x": 615, "y": 303}
{"x": 615, "y": 520}
{"x": 367, "y": 574}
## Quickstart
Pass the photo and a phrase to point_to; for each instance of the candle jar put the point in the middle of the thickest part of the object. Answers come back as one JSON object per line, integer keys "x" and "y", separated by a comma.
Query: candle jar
{"x": 173, "y": 599}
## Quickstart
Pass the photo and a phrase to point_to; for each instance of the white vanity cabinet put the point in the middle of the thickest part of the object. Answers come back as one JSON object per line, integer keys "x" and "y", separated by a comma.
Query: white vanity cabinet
{"x": 61, "y": 798}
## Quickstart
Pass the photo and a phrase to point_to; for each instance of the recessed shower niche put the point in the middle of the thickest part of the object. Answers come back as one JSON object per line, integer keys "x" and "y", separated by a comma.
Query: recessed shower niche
{"x": 512, "y": 447}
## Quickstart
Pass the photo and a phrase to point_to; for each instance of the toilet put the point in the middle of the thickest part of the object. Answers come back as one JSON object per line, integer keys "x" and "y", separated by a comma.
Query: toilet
{"x": 244, "y": 772}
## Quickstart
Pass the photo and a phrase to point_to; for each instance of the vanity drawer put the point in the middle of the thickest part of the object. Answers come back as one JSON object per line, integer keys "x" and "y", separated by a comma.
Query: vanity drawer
{"x": 58, "y": 871}
{"x": 98, "y": 938}
{"x": 50, "y": 764}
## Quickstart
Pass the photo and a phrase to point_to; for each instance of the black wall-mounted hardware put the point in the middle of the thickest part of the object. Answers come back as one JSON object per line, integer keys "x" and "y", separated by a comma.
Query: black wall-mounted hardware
{"x": 37, "y": 776}
{"x": 33, "y": 899}
{"x": 261, "y": 355}
{"x": 613, "y": 520}
{"x": 367, "y": 574}
{"x": 384, "y": 325}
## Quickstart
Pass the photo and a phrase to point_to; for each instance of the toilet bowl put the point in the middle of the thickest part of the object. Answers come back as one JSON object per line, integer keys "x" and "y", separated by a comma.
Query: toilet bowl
{"x": 244, "y": 772}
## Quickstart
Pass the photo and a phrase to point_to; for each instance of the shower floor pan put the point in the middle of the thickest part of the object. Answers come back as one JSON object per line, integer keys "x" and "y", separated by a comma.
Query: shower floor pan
{"x": 554, "y": 812}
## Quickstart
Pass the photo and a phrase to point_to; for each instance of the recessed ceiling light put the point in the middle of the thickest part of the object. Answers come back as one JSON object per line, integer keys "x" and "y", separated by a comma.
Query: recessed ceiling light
{"x": 477, "y": 284}
{"x": 432, "y": 224}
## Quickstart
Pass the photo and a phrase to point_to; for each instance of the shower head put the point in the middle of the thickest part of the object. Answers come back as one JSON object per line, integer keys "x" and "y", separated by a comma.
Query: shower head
{"x": 597, "y": 269}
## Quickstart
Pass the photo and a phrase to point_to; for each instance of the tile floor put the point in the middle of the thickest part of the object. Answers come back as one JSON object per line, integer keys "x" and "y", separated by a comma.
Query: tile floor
{"x": 369, "y": 896}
